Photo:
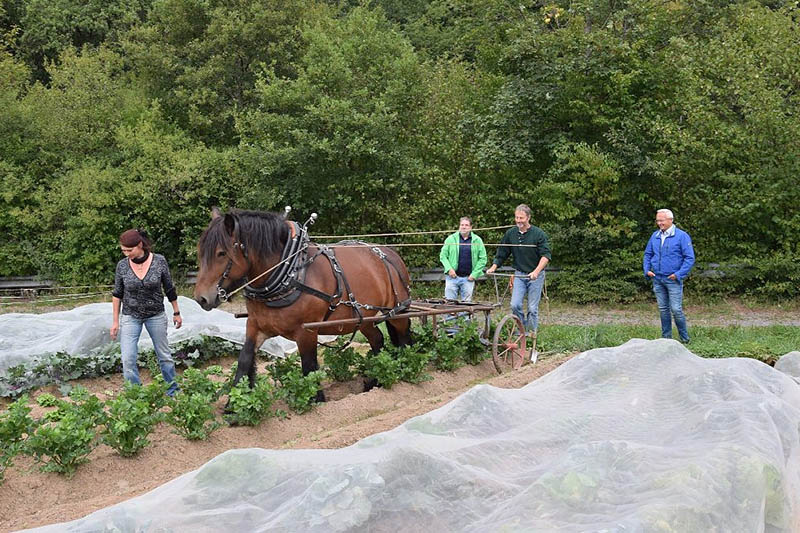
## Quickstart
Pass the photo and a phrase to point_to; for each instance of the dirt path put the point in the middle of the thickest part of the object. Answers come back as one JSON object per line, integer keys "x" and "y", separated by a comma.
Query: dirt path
{"x": 29, "y": 498}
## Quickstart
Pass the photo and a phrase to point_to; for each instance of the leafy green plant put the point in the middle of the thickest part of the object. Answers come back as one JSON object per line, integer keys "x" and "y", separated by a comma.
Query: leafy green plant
{"x": 195, "y": 381}
{"x": 248, "y": 407}
{"x": 281, "y": 366}
{"x": 299, "y": 391}
{"x": 469, "y": 343}
{"x": 383, "y": 367}
{"x": 424, "y": 339}
{"x": 131, "y": 417}
{"x": 446, "y": 354}
{"x": 412, "y": 362}
{"x": 61, "y": 367}
{"x": 61, "y": 445}
{"x": 192, "y": 415}
{"x": 16, "y": 425}
{"x": 68, "y": 433}
{"x": 340, "y": 362}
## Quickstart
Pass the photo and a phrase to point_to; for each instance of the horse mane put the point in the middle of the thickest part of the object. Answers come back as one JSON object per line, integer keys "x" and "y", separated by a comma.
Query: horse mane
{"x": 263, "y": 234}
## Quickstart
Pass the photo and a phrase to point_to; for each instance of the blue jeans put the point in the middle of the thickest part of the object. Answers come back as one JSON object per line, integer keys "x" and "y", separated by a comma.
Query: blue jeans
{"x": 130, "y": 328}
{"x": 669, "y": 295}
{"x": 523, "y": 286}
{"x": 458, "y": 288}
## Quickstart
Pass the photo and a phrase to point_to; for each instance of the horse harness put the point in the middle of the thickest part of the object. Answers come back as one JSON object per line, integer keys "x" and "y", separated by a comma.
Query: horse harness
{"x": 287, "y": 283}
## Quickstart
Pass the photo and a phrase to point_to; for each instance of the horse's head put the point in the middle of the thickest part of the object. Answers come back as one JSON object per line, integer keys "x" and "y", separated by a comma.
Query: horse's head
{"x": 222, "y": 260}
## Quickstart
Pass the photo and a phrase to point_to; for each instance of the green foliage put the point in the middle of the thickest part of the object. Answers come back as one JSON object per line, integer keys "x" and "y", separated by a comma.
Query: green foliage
{"x": 248, "y": 407}
{"x": 192, "y": 415}
{"x": 60, "y": 368}
{"x": 446, "y": 354}
{"x": 468, "y": 341}
{"x": 424, "y": 340}
{"x": 412, "y": 362}
{"x": 196, "y": 381}
{"x": 131, "y": 417}
{"x": 383, "y": 367}
{"x": 66, "y": 440}
{"x": 400, "y": 116}
{"x": 16, "y": 422}
{"x": 340, "y": 362}
{"x": 299, "y": 391}
{"x": 63, "y": 445}
{"x": 16, "y": 425}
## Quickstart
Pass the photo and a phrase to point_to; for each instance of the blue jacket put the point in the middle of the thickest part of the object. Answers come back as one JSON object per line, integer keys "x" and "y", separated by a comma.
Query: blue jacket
{"x": 675, "y": 256}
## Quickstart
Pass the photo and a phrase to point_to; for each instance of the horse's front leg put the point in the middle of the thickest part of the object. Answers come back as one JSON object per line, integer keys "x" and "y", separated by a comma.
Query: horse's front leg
{"x": 307, "y": 346}
{"x": 246, "y": 366}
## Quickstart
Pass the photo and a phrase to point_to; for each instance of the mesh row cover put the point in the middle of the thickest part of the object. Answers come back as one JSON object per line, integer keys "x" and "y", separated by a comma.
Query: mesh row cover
{"x": 638, "y": 438}
{"x": 83, "y": 330}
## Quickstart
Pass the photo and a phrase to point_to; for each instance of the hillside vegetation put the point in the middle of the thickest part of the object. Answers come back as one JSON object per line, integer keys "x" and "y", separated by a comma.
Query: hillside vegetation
{"x": 400, "y": 116}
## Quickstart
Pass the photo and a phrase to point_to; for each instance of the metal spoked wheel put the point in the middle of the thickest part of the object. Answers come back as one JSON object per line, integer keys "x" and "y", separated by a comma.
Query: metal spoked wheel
{"x": 508, "y": 348}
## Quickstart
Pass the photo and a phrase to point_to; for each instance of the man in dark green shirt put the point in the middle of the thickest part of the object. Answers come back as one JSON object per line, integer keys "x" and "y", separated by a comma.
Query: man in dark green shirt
{"x": 530, "y": 248}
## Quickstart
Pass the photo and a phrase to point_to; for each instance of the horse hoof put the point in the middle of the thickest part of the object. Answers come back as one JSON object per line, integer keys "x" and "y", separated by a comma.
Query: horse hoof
{"x": 320, "y": 398}
{"x": 370, "y": 384}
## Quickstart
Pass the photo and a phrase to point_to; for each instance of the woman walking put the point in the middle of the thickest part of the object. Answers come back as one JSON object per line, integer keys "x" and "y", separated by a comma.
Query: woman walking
{"x": 138, "y": 283}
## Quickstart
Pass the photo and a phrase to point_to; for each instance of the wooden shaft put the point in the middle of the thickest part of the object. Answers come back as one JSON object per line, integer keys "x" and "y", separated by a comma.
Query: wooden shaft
{"x": 381, "y": 318}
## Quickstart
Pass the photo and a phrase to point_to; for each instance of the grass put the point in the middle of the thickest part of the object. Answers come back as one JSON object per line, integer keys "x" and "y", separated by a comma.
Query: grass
{"x": 765, "y": 343}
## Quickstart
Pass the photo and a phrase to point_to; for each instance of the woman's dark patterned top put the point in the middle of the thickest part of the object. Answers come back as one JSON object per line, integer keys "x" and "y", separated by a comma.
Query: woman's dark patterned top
{"x": 142, "y": 298}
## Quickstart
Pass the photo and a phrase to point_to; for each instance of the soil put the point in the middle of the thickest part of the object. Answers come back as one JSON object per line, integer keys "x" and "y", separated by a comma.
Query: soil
{"x": 29, "y": 498}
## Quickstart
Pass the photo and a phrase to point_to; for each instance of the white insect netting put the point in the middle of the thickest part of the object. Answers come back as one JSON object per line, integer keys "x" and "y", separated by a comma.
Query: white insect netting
{"x": 85, "y": 329}
{"x": 643, "y": 437}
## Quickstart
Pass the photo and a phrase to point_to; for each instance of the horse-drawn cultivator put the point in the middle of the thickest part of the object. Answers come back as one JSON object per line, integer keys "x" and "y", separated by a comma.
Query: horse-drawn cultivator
{"x": 506, "y": 340}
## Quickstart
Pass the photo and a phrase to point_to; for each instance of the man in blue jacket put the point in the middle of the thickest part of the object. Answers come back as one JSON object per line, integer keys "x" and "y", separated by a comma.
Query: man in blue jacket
{"x": 668, "y": 258}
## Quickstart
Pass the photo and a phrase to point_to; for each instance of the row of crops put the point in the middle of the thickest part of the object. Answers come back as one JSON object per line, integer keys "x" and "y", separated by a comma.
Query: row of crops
{"x": 72, "y": 426}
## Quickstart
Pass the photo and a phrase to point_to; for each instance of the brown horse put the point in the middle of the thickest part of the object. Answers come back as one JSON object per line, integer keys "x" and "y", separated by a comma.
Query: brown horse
{"x": 341, "y": 281}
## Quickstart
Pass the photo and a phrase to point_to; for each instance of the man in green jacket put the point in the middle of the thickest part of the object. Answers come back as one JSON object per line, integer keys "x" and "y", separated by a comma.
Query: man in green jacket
{"x": 464, "y": 258}
{"x": 530, "y": 247}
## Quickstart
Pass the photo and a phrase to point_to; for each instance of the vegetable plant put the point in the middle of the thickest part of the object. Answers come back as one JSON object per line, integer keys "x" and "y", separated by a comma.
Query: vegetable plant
{"x": 16, "y": 425}
{"x": 248, "y": 407}
{"x": 340, "y": 361}
{"x": 192, "y": 415}
{"x": 131, "y": 417}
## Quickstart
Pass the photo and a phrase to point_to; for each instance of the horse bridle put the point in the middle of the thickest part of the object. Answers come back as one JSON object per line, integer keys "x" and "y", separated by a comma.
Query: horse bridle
{"x": 222, "y": 293}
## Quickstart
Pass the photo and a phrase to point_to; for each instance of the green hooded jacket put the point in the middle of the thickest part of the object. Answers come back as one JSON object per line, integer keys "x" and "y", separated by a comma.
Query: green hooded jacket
{"x": 449, "y": 254}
